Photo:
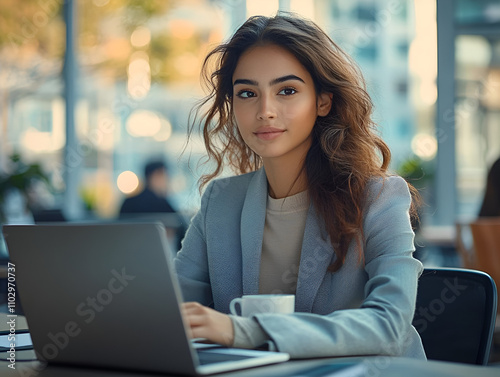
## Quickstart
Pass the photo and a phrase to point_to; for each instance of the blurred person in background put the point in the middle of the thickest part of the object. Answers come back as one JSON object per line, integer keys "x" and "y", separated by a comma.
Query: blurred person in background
{"x": 153, "y": 200}
{"x": 491, "y": 200}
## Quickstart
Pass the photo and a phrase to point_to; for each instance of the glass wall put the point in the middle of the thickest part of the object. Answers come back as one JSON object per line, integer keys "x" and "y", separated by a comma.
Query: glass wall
{"x": 31, "y": 90}
{"x": 138, "y": 78}
{"x": 477, "y": 110}
{"x": 140, "y": 64}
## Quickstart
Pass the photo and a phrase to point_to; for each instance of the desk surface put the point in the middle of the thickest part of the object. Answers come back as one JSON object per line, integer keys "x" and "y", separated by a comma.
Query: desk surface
{"x": 368, "y": 367}
{"x": 379, "y": 366}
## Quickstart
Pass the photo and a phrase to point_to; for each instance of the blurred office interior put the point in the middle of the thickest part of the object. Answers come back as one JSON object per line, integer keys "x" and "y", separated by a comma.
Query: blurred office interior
{"x": 92, "y": 89}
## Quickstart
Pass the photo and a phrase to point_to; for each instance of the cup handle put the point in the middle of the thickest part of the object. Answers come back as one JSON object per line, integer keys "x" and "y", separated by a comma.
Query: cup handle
{"x": 232, "y": 306}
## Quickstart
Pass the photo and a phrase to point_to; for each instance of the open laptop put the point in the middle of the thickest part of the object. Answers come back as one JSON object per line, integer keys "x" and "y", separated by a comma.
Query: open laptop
{"x": 105, "y": 295}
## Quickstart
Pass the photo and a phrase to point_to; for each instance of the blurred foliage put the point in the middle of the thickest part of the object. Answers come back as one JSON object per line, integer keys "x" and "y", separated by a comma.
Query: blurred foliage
{"x": 89, "y": 198}
{"x": 416, "y": 171}
{"x": 105, "y": 31}
{"x": 20, "y": 177}
{"x": 35, "y": 29}
{"x": 32, "y": 25}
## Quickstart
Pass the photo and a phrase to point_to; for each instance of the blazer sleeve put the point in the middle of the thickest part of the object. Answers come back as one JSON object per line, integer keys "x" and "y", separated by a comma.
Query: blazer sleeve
{"x": 191, "y": 262}
{"x": 382, "y": 325}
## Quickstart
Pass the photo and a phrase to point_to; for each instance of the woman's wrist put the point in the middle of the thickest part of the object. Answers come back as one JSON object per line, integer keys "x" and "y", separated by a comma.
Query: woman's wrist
{"x": 247, "y": 332}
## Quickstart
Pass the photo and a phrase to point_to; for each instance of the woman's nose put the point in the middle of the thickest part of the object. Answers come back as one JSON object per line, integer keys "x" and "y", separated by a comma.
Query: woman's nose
{"x": 266, "y": 108}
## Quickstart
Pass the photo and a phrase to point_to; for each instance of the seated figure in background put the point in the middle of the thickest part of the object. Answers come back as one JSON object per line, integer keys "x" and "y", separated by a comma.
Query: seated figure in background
{"x": 153, "y": 197}
{"x": 153, "y": 200}
{"x": 491, "y": 200}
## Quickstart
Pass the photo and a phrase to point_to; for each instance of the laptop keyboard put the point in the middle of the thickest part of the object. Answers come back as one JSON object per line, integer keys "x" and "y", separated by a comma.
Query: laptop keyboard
{"x": 206, "y": 357}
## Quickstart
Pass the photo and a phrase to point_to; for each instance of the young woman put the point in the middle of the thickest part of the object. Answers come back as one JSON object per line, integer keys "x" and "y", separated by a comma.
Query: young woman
{"x": 313, "y": 210}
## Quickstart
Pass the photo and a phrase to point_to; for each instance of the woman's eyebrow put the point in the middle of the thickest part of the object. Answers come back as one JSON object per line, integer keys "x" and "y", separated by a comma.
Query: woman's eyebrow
{"x": 245, "y": 82}
{"x": 272, "y": 82}
{"x": 286, "y": 78}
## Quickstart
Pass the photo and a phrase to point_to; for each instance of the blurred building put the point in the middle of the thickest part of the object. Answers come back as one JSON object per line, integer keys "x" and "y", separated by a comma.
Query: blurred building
{"x": 137, "y": 77}
{"x": 378, "y": 35}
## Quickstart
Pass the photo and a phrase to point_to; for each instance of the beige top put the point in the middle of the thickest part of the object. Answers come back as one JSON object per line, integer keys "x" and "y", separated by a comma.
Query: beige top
{"x": 282, "y": 243}
{"x": 279, "y": 266}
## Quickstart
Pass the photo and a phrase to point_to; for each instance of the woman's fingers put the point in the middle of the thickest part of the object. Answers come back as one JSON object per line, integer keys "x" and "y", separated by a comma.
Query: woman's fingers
{"x": 194, "y": 313}
{"x": 207, "y": 323}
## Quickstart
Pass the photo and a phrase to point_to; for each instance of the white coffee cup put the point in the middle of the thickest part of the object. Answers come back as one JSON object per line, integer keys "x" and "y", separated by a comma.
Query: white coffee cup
{"x": 253, "y": 304}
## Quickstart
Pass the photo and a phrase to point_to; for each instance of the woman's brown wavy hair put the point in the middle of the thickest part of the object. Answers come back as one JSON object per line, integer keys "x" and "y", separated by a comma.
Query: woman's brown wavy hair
{"x": 346, "y": 151}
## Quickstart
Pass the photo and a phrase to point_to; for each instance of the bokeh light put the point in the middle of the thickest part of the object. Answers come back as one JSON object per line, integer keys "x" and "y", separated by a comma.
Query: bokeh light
{"x": 140, "y": 37}
{"x": 424, "y": 146}
{"x": 127, "y": 182}
{"x": 139, "y": 75}
{"x": 143, "y": 123}
{"x": 422, "y": 57}
{"x": 165, "y": 131}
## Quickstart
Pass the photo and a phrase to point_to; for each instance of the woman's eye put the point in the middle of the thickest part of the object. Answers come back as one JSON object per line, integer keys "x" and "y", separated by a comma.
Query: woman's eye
{"x": 246, "y": 94}
{"x": 287, "y": 91}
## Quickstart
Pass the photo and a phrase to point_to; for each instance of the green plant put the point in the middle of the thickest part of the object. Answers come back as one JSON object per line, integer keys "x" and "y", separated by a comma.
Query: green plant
{"x": 20, "y": 177}
{"x": 416, "y": 171}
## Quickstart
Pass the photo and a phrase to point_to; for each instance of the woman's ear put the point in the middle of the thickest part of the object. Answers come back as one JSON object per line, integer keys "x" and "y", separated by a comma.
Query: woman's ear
{"x": 324, "y": 103}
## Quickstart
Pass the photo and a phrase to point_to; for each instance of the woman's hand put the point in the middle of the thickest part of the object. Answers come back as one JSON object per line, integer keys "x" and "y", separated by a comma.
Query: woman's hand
{"x": 208, "y": 323}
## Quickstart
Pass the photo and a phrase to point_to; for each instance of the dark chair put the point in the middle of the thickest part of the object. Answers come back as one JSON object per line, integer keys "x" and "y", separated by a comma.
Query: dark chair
{"x": 455, "y": 314}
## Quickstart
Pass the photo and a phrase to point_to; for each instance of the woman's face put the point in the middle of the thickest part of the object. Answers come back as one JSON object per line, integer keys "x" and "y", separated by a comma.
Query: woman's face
{"x": 275, "y": 103}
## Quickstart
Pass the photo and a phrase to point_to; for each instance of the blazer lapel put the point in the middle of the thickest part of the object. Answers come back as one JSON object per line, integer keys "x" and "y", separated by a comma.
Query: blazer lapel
{"x": 316, "y": 256}
{"x": 253, "y": 217}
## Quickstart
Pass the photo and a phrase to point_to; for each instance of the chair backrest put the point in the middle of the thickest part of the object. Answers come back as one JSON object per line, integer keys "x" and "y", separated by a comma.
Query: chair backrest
{"x": 455, "y": 314}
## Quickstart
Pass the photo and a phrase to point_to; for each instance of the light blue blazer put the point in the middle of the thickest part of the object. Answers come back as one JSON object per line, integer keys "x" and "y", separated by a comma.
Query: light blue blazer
{"x": 364, "y": 308}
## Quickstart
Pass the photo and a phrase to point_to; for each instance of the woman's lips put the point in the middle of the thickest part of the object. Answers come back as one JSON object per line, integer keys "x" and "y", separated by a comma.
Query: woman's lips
{"x": 269, "y": 133}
